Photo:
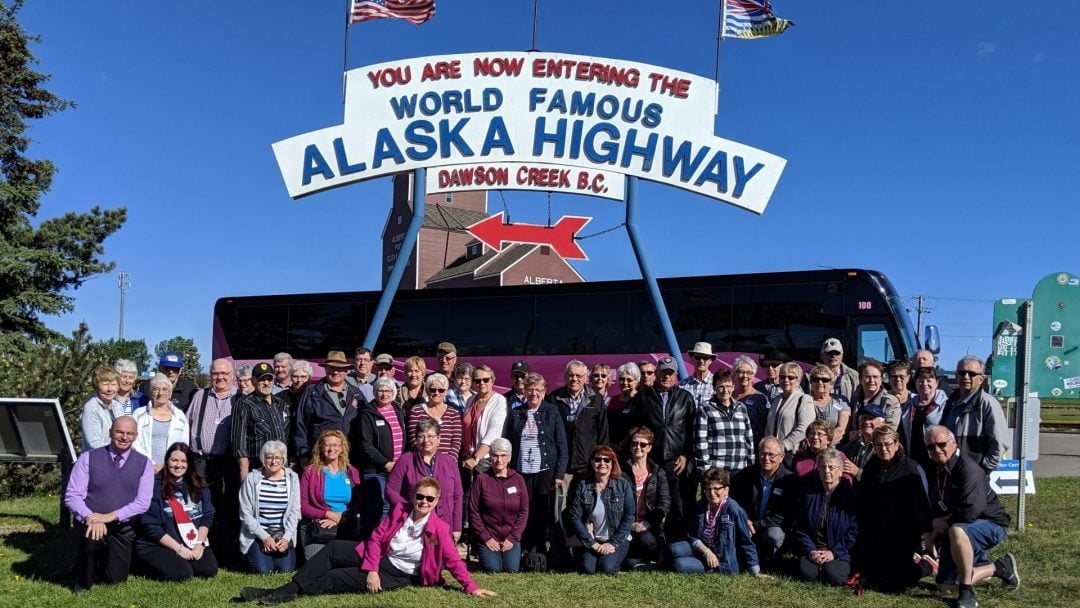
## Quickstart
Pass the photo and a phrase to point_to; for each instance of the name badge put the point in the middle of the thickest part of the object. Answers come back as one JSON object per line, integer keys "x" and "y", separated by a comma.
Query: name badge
{"x": 380, "y": 423}
{"x": 778, "y": 491}
{"x": 511, "y": 490}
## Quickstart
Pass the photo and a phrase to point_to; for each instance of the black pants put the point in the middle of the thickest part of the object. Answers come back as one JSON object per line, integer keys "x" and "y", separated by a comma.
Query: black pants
{"x": 833, "y": 573}
{"x": 107, "y": 560}
{"x": 683, "y": 489}
{"x": 541, "y": 508}
{"x": 164, "y": 564}
{"x": 222, "y": 475}
{"x": 336, "y": 569}
{"x": 644, "y": 546}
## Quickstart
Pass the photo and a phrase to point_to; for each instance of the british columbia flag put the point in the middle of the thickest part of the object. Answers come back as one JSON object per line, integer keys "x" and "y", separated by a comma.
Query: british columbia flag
{"x": 752, "y": 19}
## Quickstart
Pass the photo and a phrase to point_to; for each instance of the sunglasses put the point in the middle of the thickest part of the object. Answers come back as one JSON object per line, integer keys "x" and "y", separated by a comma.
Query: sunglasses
{"x": 482, "y": 380}
{"x": 788, "y": 377}
{"x": 771, "y": 363}
{"x": 889, "y": 444}
{"x": 716, "y": 488}
{"x": 963, "y": 373}
{"x": 601, "y": 460}
{"x": 701, "y": 358}
{"x": 649, "y": 372}
{"x": 820, "y": 380}
{"x": 834, "y": 353}
{"x": 435, "y": 391}
{"x": 939, "y": 445}
{"x": 598, "y": 376}
{"x": 640, "y": 444}
{"x": 426, "y": 498}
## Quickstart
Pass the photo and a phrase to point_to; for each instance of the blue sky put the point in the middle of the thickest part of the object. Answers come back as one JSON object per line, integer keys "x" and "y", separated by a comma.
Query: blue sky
{"x": 935, "y": 146}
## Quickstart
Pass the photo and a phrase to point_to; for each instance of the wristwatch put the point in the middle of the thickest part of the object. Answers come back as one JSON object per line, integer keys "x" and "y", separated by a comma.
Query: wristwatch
{"x": 205, "y": 543}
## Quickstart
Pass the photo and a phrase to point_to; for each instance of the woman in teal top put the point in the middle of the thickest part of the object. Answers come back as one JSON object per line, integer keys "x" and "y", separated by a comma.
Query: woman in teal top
{"x": 329, "y": 494}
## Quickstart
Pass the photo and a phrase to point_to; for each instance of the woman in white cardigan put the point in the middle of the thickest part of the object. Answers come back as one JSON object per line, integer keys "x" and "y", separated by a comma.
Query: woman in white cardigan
{"x": 160, "y": 424}
{"x": 483, "y": 421}
{"x": 791, "y": 411}
{"x": 270, "y": 512}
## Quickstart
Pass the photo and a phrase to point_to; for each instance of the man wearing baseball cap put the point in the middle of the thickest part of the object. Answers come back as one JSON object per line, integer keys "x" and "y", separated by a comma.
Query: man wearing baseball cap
{"x": 670, "y": 413}
{"x": 258, "y": 418}
{"x": 847, "y": 379}
{"x": 446, "y": 358}
{"x": 860, "y": 449}
{"x": 516, "y": 395}
{"x": 171, "y": 364}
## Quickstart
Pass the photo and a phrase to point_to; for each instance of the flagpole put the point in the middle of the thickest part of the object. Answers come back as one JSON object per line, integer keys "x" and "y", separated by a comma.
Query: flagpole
{"x": 719, "y": 39}
{"x": 345, "y": 59}
{"x": 535, "y": 12}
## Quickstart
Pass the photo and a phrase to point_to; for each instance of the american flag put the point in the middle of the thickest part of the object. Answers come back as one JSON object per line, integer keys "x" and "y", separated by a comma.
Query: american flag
{"x": 752, "y": 19}
{"x": 413, "y": 11}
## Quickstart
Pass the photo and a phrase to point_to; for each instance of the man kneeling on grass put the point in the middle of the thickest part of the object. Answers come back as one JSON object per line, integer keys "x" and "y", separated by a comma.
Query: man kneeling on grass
{"x": 968, "y": 520}
{"x": 410, "y": 547}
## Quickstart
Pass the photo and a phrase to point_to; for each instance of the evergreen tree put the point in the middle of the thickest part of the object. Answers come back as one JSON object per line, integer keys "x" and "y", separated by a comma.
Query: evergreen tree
{"x": 187, "y": 349}
{"x": 38, "y": 266}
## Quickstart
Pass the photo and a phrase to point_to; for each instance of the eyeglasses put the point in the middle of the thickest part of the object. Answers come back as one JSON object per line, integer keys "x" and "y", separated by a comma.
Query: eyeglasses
{"x": 834, "y": 353}
{"x": 598, "y": 376}
{"x": 436, "y": 391}
{"x": 274, "y": 459}
{"x": 220, "y": 373}
{"x": 885, "y": 444}
{"x": 426, "y": 498}
{"x": 649, "y": 372}
{"x": 938, "y": 445}
{"x": 640, "y": 444}
{"x": 771, "y": 363}
{"x": 601, "y": 460}
{"x": 481, "y": 380}
{"x": 771, "y": 455}
{"x": 701, "y": 358}
{"x": 788, "y": 377}
{"x": 963, "y": 373}
{"x": 820, "y": 380}
{"x": 716, "y": 488}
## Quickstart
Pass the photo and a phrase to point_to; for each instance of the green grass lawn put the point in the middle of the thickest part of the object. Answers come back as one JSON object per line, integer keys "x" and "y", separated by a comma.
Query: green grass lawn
{"x": 35, "y": 557}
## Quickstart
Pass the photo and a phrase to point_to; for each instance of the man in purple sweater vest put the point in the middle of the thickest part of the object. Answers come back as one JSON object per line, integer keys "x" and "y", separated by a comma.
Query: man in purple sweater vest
{"x": 108, "y": 488}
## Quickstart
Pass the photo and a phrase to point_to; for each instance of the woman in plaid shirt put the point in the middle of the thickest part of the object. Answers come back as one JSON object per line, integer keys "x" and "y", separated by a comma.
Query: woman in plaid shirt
{"x": 723, "y": 435}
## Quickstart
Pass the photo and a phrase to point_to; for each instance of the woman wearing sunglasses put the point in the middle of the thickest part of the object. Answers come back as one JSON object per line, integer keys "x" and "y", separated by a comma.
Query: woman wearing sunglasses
{"x": 435, "y": 408}
{"x": 410, "y": 547}
{"x": 601, "y": 513}
{"x": 831, "y": 408}
{"x": 791, "y": 411}
{"x": 427, "y": 461}
{"x": 652, "y": 500}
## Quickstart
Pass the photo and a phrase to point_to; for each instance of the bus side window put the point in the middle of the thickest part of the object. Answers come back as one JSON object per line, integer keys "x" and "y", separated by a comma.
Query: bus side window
{"x": 874, "y": 343}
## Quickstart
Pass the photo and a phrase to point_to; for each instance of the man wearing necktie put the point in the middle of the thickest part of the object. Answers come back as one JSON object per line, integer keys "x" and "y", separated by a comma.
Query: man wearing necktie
{"x": 109, "y": 487}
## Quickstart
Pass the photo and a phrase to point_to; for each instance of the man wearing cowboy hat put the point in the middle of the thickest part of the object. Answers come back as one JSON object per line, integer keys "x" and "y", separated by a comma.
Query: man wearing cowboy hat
{"x": 328, "y": 404}
{"x": 699, "y": 384}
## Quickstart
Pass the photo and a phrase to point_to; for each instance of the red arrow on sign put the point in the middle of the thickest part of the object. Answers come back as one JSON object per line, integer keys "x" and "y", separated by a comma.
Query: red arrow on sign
{"x": 493, "y": 233}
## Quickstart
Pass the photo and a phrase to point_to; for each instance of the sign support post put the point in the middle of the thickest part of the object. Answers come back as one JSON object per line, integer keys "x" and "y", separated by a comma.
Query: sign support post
{"x": 408, "y": 244}
{"x": 1023, "y": 398}
{"x": 647, "y": 276}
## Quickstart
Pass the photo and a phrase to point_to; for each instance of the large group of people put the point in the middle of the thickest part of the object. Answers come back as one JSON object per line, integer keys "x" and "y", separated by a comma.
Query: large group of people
{"x": 360, "y": 481}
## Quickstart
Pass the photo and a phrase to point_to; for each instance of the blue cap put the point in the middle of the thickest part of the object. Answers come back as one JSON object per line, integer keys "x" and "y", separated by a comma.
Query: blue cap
{"x": 171, "y": 359}
{"x": 872, "y": 410}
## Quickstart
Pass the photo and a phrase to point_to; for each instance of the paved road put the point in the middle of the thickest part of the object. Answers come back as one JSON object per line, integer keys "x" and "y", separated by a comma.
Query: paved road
{"x": 1059, "y": 455}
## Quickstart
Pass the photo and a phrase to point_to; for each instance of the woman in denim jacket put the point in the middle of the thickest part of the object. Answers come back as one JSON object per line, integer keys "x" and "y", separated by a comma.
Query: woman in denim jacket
{"x": 602, "y": 526}
{"x": 719, "y": 533}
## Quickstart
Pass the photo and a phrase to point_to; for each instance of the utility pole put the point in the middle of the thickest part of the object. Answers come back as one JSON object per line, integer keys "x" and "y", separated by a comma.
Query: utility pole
{"x": 920, "y": 308}
{"x": 123, "y": 284}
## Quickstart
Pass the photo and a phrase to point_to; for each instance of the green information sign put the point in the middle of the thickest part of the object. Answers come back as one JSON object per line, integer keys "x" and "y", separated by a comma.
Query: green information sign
{"x": 1055, "y": 337}
{"x": 1003, "y": 369}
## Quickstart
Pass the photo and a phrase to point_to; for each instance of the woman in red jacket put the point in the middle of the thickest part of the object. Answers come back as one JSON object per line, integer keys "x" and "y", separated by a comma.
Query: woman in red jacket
{"x": 408, "y": 548}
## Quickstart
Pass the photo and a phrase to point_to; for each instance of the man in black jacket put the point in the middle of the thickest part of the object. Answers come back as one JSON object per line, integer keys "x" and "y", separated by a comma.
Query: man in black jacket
{"x": 968, "y": 520}
{"x": 582, "y": 412}
{"x": 670, "y": 413}
{"x": 762, "y": 490}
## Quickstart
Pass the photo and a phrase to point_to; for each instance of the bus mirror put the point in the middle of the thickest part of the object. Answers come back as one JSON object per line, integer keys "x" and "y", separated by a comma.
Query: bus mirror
{"x": 932, "y": 339}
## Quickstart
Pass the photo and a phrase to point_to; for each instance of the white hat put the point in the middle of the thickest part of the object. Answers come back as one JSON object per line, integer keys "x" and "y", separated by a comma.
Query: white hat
{"x": 832, "y": 345}
{"x": 701, "y": 348}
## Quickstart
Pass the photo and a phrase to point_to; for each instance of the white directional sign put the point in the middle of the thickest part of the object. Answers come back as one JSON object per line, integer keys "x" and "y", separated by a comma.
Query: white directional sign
{"x": 1006, "y": 479}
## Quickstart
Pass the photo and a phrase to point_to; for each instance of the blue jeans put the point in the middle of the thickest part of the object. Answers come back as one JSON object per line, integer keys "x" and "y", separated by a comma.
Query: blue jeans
{"x": 375, "y": 504}
{"x": 607, "y": 564}
{"x": 265, "y": 563}
{"x": 500, "y": 561}
{"x": 683, "y": 560}
{"x": 983, "y": 535}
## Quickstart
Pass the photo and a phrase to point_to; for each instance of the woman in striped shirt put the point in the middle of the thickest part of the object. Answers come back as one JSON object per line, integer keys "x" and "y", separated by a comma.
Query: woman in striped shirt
{"x": 270, "y": 512}
{"x": 436, "y": 409}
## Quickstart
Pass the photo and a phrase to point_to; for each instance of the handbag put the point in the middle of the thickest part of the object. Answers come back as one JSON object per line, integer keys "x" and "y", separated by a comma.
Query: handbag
{"x": 319, "y": 534}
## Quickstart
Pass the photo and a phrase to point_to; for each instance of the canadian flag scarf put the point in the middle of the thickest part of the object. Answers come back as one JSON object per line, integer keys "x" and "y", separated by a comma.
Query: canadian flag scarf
{"x": 188, "y": 534}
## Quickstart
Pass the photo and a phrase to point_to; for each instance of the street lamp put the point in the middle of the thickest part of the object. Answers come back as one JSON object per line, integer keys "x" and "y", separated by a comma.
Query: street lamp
{"x": 976, "y": 340}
